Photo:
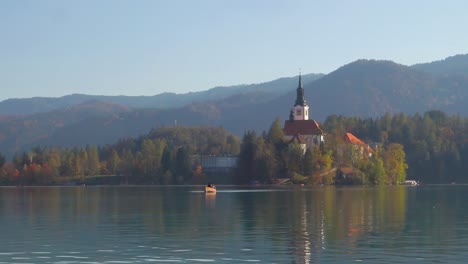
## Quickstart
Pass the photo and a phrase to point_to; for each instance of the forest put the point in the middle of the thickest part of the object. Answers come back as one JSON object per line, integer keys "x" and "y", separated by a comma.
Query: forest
{"x": 429, "y": 147}
{"x": 435, "y": 144}
{"x": 160, "y": 157}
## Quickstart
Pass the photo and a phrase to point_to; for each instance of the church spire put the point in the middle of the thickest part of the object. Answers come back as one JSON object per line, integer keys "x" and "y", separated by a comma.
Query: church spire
{"x": 300, "y": 79}
{"x": 300, "y": 99}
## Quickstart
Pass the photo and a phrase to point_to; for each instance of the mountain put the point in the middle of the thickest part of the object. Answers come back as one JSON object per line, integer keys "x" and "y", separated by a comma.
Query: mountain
{"x": 366, "y": 88}
{"x": 371, "y": 88}
{"x": 457, "y": 64}
{"x": 35, "y": 105}
{"x": 21, "y": 133}
{"x": 361, "y": 88}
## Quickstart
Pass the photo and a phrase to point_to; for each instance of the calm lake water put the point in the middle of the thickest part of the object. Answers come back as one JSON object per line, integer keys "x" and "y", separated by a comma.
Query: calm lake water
{"x": 423, "y": 224}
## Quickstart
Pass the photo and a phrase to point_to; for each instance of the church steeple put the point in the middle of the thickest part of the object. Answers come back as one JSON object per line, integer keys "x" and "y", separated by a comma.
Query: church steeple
{"x": 300, "y": 99}
{"x": 300, "y": 110}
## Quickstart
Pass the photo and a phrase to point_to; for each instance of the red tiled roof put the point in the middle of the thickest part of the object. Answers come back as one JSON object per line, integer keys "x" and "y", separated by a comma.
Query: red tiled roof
{"x": 346, "y": 170}
{"x": 350, "y": 138}
{"x": 302, "y": 127}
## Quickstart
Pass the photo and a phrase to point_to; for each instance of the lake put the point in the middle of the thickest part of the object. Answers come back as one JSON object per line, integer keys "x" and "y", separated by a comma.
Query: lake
{"x": 146, "y": 224}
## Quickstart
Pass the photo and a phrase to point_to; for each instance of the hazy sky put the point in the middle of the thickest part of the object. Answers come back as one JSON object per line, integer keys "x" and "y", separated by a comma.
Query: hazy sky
{"x": 110, "y": 47}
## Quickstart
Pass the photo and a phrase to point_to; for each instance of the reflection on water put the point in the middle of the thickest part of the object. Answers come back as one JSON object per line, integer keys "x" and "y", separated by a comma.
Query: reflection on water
{"x": 267, "y": 225}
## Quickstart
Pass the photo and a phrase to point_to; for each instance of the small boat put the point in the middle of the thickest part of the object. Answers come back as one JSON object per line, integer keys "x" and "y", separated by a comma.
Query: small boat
{"x": 210, "y": 188}
{"x": 411, "y": 182}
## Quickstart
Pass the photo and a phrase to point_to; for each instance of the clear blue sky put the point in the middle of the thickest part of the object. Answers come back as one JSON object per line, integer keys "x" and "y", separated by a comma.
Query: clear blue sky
{"x": 111, "y": 47}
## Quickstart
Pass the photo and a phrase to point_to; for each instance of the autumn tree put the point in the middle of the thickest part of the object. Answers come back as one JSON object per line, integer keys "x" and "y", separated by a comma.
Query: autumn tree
{"x": 93, "y": 160}
{"x": 113, "y": 163}
{"x": 395, "y": 163}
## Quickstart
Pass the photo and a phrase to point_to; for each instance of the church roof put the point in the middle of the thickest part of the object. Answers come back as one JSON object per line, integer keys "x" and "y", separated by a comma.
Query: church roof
{"x": 302, "y": 127}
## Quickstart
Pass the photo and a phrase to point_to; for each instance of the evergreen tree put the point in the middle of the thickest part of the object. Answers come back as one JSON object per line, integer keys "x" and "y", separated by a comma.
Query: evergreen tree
{"x": 166, "y": 159}
{"x": 2, "y": 160}
{"x": 266, "y": 165}
{"x": 308, "y": 163}
{"x": 127, "y": 164}
{"x": 275, "y": 134}
{"x": 182, "y": 165}
{"x": 248, "y": 152}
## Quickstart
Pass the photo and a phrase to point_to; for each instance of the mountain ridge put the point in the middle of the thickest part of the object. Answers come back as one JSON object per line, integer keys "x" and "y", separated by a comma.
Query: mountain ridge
{"x": 457, "y": 64}
{"x": 25, "y": 106}
{"x": 364, "y": 88}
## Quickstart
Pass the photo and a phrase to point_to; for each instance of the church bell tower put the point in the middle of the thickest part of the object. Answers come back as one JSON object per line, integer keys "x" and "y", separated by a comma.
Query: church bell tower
{"x": 300, "y": 110}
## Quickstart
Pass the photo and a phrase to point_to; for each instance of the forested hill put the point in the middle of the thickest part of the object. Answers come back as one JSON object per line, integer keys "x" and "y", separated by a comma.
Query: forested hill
{"x": 166, "y": 100}
{"x": 371, "y": 88}
{"x": 457, "y": 64}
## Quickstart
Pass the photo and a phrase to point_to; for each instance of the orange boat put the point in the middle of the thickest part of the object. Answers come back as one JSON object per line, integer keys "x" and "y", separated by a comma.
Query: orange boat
{"x": 210, "y": 188}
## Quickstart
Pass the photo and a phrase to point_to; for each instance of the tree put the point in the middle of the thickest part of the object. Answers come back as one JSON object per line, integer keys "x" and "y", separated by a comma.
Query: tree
{"x": 167, "y": 163}
{"x": 248, "y": 153}
{"x": 294, "y": 159}
{"x": 182, "y": 165}
{"x": 376, "y": 171}
{"x": 54, "y": 162}
{"x": 275, "y": 134}
{"x": 233, "y": 145}
{"x": 84, "y": 162}
{"x": 2, "y": 160}
{"x": 93, "y": 159}
{"x": 395, "y": 163}
{"x": 308, "y": 163}
{"x": 150, "y": 157}
{"x": 113, "y": 163}
{"x": 126, "y": 164}
{"x": 266, "y": 164}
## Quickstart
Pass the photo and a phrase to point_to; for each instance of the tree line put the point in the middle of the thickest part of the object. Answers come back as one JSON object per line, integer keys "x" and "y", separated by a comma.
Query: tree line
{"x": 429, "y": 147}
{"x": 160, "y": 157}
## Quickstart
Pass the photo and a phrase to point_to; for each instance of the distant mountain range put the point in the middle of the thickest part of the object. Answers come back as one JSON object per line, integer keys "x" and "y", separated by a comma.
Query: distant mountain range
{"x": 366, "y": 88}
{"x": 161, "y": 101}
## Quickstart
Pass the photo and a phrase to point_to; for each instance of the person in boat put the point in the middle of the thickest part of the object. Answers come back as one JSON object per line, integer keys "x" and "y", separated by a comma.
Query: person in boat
{"x": 211, "y": 185}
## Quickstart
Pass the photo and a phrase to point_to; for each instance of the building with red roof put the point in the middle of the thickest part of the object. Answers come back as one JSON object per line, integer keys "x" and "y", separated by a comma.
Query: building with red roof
{"x": 352, "y": 139}
{"x": 352, "y": 149}
{"x": 358, "y": 144}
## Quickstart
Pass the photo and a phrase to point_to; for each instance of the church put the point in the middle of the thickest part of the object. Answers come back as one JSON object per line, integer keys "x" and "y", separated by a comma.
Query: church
{"x": 299, "y": 127}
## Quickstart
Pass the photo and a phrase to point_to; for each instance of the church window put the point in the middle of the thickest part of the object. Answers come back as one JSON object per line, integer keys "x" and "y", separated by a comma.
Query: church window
{"x": 298, "y": 112}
